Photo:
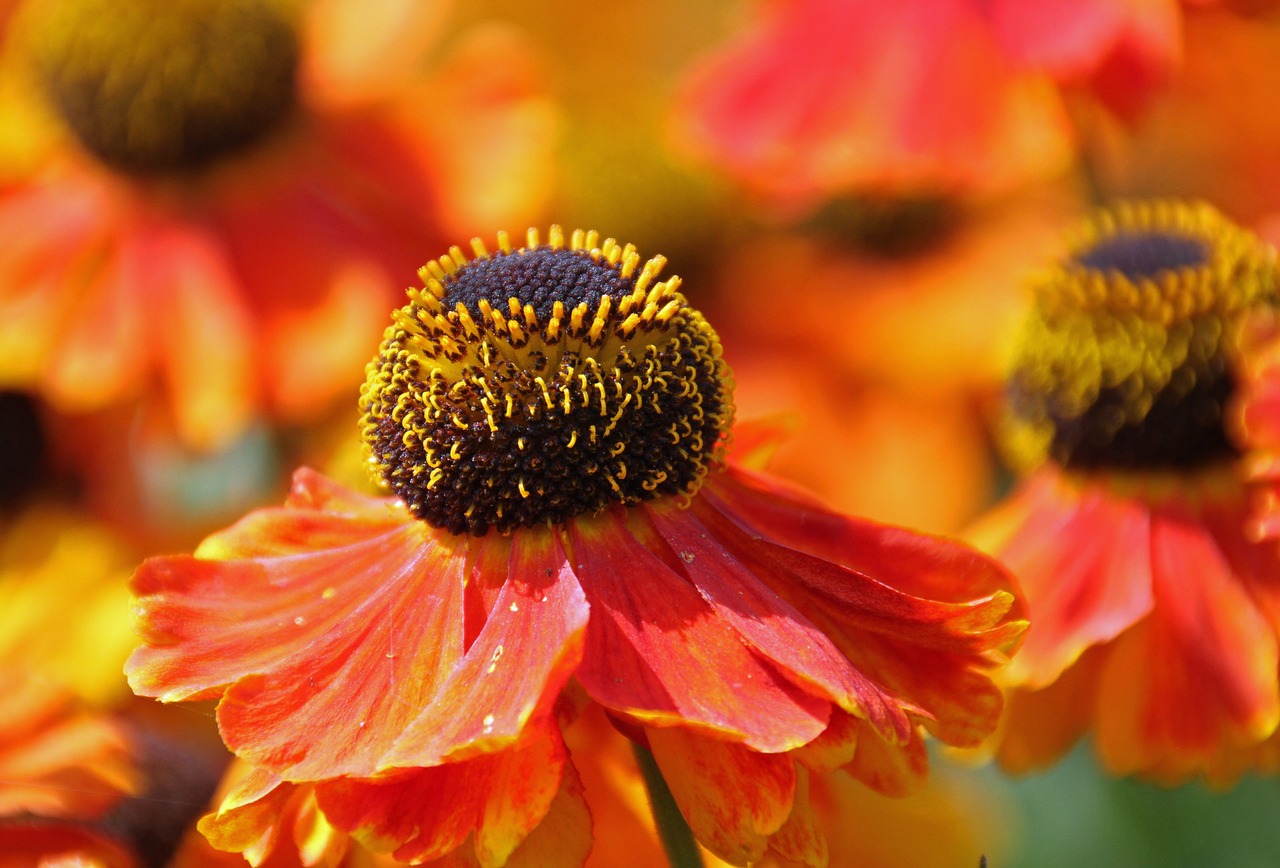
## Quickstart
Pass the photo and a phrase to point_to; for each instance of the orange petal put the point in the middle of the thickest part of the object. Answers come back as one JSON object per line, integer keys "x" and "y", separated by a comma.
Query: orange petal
{"x": 766, "y": 621}
{"x": 329, "y": 654}
{"x": 800, "y": 841}
{"x": 23, "y": 845}
{"x": 889, "y": 768}
{"x": 1082, "y": 556}
{"x": 733, "y": 798}
{"x": 57, "y": 760}
{"x": 522, "y": 657}
{"x": 824, "y": 96}
{"x": 1200, "y": 674}
{"x": 927, "y": 656}
{"x": 1041, "y": 725}
{"x": 204, "y": 347}
{"x": 422, "y": 814}
{"x": 658, "y": 652}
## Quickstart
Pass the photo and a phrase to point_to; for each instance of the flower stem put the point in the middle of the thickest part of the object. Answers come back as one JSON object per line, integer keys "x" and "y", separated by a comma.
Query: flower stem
{"x": 677, "y": 838}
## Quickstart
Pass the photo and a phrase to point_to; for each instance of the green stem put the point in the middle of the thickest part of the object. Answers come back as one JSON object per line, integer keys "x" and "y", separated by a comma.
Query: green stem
{"x": 677, "y": 838}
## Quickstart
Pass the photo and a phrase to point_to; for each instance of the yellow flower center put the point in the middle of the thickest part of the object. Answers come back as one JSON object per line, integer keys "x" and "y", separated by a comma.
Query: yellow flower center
{"x": 153, "y": 88}
{"x": 540, "y": 383}
{"x": 1126, "y": 361}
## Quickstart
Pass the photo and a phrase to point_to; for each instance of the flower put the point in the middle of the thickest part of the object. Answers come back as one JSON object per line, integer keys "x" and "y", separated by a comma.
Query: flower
{"x": 891, "y": 360}
{"x": 182, "y": 157}
{"x": 1155, "y": 609}
{"x": 825, "y": 97}
{"x": 566, "y": 528}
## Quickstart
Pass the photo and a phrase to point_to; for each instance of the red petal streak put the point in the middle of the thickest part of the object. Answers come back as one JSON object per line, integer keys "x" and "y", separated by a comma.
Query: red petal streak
{"x": 525, "y": 653}
{"x": 766, "y": 621}
{"x": 425, "y": 814}
{"x": 657, "y": 651}
{"x": 733, "y": 798}
{"x": 1083, "y": 559}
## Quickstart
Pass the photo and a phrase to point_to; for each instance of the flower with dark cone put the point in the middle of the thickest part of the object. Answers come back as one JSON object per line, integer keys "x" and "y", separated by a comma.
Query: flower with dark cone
{"x": 164, "y": 163}
{"x": 568, "y": 526}
{"x": 1155, "y": 609}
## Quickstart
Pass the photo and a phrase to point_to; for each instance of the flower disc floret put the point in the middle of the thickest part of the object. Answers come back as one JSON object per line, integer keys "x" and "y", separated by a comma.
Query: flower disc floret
{"x": 154, "y": 88}
{"x": 1127, "y": 359}
{"x": 539, "y": 383}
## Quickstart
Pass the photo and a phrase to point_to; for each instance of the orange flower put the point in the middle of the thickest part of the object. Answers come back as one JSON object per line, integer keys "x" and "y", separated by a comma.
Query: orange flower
{"x": 553, "y": 420}
{"x": 893, "y": 361}
{"x": 180, "y": 158}
{"x": 1156, "y": 614}
{"x": 60, "y": 769}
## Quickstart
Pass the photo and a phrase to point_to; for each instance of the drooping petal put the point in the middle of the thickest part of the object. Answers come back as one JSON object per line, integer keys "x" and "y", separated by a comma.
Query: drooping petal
{"x": 253, "y": 816}
{"x": 331, "y": 624}
{"x": 766, "y": 621}
{"x": 733, "y": 798}
{"x": 1083, "y": 558}
{"x": 920, "y": 565}
{"x": 28, "y": 843}
{"x": 205, "y": 349}
{"x": 800, "y": 842}
{"x": 1198, "y": 675}
{"x": 524, "y": 654}
{"x": 891, "y": 601}
{"x": 891, "y": 768}
{"x": 1041, "y": 725}
{"x": 496, "y": 800}
{"x": 39, "y": 280}
{"x": 655, "y": 650}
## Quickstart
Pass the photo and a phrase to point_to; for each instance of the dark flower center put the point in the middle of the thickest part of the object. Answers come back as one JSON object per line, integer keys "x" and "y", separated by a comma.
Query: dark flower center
{"x": 1144, "y": 254}
{"x": 541, "y": 383}
{"x": 160, "y": 88}
{"x": 1127, "y": 359}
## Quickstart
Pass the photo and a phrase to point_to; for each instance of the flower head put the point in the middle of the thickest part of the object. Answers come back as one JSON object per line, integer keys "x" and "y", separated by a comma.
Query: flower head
{"x": 1153, "y": 608}
{"x": 568, "y": 527}
{"x": 183, "y": 155}
{"x": 155, "y": 94}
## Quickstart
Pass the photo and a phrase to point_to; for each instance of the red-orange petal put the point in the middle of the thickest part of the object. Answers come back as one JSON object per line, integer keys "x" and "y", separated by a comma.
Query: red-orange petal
{"x": 526, "y": 651}
{"x": 765, "y": 620}
{"x": 1082, "y": 556}
{"x": 923, "y": 657}
{"x": 1200, "y": 674}
{"x": 495, "y": 800}
{"x": 800, "y": 842}
{"x": 657, "y": 651}
{"x": 204, "y": 349}
{"x": 334, "y": 623}
{"x": 733, "y": 798}
{"x": 31, "y": 843}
